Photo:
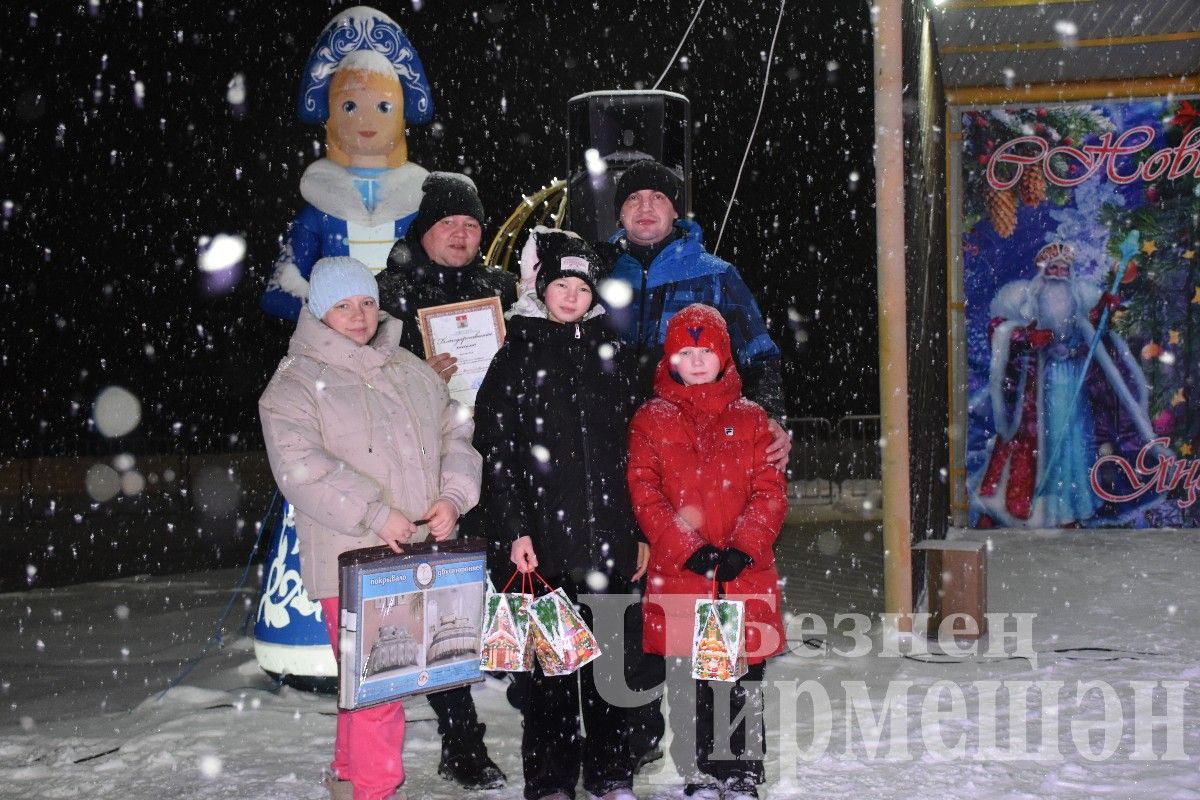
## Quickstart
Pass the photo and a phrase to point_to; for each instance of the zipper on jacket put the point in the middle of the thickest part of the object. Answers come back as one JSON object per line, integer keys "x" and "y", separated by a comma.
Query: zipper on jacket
{"x": 642, "y": 311}
{"x": 370, "y": 417}
{"x": 587, "y": 467}
{"x": 576, "y": 330}
{"x": 431, "y": 485}
{"x": 668, "y": 295}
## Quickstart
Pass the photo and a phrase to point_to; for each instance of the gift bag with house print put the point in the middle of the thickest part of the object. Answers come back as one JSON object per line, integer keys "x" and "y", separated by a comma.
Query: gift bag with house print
{"x": 507, "y": 640}
{"x": 562, "y": 640}
{"x": 719, "y": 639}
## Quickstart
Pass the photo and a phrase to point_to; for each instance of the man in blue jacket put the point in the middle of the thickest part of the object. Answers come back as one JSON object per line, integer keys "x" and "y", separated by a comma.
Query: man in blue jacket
{"x": 662, "y": 259}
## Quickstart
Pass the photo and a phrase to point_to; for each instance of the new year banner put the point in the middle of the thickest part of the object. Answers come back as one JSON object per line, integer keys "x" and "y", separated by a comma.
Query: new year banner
{"x": 1082, "y": 292}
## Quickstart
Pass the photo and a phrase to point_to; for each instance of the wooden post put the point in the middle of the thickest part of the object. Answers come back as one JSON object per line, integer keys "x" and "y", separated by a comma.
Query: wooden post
{"x": 893, "y": 337}
{"x": 956, "y": 574}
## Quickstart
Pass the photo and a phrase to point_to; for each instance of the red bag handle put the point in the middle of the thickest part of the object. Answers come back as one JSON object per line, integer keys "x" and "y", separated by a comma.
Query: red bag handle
{"x": 516, "y": 572}
{"x": 714, "y": 592}
{"x": 526, "y": 580}
{"x": 549, "y": 588}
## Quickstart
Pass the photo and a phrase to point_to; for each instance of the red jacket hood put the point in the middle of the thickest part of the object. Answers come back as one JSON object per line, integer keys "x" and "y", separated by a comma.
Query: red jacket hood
{"x": 702, "y": 398}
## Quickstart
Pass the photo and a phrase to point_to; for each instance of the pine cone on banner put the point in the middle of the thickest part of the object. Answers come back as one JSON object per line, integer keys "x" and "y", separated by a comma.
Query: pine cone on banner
{"x": 1032, "y": 187}
{"x": 1001, "y": 210}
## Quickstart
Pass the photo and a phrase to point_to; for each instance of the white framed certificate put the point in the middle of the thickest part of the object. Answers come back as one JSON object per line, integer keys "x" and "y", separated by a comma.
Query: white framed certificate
{"x": 471, "y": 331}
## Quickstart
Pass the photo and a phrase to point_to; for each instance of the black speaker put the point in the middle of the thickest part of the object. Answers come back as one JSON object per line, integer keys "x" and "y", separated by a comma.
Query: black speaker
{"x": 609, "y": 131}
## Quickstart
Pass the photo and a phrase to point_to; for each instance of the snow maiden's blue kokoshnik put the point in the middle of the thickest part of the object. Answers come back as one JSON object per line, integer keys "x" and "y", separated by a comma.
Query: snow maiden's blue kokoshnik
{"x": 363, "y": 28}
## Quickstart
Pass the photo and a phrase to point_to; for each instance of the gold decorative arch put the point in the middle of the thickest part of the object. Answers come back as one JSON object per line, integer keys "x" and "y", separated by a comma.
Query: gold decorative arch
{"x": 546, "y": 206}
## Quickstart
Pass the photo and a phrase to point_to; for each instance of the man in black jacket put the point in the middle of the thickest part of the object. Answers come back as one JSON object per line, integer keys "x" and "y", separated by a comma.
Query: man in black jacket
{"x": 438, "y": 262}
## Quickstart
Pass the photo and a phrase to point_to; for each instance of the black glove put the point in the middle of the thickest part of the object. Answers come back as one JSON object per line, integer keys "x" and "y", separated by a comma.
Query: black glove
{"x": 732, "y": 562}
{"x": 703, "y": 561}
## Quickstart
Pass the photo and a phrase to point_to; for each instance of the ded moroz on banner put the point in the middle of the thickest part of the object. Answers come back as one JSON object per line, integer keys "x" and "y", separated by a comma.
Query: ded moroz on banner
{"x": 1079, "y": 393}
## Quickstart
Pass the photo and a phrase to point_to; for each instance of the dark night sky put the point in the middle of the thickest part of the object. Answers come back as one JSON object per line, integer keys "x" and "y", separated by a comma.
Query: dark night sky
{"x": 108, "y": 199}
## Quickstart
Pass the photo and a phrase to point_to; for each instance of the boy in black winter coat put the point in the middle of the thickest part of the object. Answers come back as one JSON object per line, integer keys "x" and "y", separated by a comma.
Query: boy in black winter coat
{"x": 551, "y": 422}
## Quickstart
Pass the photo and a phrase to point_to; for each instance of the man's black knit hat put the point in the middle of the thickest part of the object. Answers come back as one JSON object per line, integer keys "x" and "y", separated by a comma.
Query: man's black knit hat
{"x": 648, "y": 174}
{"x": 447, "y": 194}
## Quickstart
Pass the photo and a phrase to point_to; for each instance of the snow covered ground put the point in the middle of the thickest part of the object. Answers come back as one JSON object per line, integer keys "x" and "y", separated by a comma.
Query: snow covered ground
{"x": 82, "y": 671}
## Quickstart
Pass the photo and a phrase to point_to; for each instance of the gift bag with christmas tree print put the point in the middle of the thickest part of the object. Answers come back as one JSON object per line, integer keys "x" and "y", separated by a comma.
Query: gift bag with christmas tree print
{"x": 562, "y": 640}
{"x": 719, "y": 639}
{"x": 507, "y": 641}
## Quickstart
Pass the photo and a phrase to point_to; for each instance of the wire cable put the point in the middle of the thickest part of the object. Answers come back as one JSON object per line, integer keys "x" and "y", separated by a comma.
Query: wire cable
{"x": 680, "y": 47}
{"x": 215, "y": 638}
{"x": 761, "y": 101}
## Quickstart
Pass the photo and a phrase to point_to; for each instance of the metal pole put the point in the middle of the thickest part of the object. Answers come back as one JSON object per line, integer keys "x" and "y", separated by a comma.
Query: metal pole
{"x": 893, "y": 338}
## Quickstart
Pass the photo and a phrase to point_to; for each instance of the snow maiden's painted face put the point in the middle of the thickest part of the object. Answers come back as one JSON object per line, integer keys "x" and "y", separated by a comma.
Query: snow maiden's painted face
{"x": 356, "y": 318}
{"x": 366, "y": 120}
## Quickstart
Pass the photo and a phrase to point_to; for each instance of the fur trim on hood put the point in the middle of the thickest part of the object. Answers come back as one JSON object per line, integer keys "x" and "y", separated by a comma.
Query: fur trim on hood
{"x": 329, "y": 187}
{"x": 528, "y": 305}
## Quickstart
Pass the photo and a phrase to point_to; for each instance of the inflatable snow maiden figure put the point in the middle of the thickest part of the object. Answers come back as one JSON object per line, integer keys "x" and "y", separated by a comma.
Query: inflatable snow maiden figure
{"x": 364, "y": 82}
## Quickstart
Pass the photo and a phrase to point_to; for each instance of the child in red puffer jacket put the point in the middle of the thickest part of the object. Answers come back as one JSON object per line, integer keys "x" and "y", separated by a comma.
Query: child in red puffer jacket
{"x": 710, "y": 504}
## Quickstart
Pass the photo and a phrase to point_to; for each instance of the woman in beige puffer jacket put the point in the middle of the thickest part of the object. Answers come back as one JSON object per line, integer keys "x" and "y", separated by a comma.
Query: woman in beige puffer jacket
{"x": 354, "y": 432}
{"x": 363, "y": 440}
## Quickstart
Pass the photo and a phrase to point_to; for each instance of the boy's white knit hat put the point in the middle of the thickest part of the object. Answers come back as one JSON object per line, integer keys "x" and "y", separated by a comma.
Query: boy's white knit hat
{"x": 334, "y": 279}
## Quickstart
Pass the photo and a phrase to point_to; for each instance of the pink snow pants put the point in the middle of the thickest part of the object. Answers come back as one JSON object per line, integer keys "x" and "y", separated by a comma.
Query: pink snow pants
{"x": 367, "y": 748}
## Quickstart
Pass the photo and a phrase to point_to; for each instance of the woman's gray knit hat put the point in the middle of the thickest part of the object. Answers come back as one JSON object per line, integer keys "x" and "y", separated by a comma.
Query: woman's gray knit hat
{"x": 334, "y": 279}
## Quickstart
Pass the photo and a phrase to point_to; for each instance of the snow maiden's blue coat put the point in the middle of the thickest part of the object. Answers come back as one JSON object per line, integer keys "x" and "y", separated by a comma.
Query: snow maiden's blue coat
{"x": 336, "y": 222}
{"x": 685, "y": 273}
